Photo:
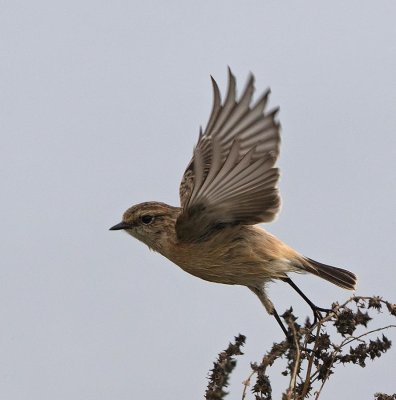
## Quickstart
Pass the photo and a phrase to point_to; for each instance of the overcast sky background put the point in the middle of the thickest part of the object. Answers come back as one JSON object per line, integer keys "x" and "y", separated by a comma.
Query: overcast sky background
{"x": 100, "y": 108}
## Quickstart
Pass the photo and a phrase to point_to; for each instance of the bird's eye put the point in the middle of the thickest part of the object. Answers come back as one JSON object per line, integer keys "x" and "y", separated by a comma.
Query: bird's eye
{"x": 147, "y": 219}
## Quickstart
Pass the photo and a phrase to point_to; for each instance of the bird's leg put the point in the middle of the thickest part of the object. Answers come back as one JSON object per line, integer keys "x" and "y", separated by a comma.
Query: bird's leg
{"x": 267, "y": 303}
{"x": 276, "y": 315}
{"x": 315, "y": 309}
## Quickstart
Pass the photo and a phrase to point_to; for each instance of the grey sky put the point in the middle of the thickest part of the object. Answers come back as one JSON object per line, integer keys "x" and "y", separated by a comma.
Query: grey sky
{"x": 100, "y": 108}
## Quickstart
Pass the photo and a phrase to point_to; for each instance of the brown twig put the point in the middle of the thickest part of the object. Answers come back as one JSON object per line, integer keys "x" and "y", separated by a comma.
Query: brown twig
{"x": 310, "y": 363}
{"x": 246, "y": 383}
{"x": 290, "y": 392}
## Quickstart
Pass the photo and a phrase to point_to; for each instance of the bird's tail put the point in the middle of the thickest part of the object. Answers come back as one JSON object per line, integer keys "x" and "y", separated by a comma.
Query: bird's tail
{"x": 338, "y": 276}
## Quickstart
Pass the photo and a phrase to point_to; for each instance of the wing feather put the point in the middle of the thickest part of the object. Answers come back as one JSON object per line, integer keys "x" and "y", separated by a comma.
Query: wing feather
{"x": 216, "y": 105}
{"x": 231, "y": 178}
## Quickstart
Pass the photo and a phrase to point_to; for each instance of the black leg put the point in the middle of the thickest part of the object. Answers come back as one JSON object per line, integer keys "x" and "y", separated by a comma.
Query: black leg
{"x": 267, "y": 303}
{"x": 315, "y": 309}
{"x": 276, "y": 315}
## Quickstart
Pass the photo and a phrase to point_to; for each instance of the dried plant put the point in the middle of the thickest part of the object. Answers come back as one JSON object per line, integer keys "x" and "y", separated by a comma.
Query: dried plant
{"x": 222, "y": 368}
{"x": 311, "y": 353}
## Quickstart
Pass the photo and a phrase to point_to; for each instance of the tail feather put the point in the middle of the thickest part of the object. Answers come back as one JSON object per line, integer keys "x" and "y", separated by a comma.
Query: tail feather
{"x": 338, "y": 276}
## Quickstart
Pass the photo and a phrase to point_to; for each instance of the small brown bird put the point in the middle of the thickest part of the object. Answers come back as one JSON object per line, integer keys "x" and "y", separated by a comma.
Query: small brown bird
{"x": 229, "y": 186}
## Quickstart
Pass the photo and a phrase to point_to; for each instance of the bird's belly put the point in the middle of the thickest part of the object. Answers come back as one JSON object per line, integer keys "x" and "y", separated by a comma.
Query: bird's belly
{"x": 237, "y": 256}
{"x": 234, "y": 270}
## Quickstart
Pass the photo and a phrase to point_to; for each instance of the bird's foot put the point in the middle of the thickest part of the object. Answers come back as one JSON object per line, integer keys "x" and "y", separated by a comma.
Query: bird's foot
{"x": 317, "y": 313}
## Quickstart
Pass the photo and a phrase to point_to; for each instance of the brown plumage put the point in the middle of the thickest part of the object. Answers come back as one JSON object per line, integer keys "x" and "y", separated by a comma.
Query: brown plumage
{"x": 229, "y": 186}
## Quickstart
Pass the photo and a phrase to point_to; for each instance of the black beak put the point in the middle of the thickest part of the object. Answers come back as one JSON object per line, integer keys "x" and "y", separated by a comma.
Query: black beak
{"x": 121, "y": 225}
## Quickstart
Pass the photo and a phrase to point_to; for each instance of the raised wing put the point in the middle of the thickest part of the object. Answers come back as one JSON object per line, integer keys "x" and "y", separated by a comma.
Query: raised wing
{"x": 231, "y": 178}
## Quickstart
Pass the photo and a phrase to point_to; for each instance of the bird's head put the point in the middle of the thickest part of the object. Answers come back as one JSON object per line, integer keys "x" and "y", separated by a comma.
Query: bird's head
{"x": 153, "y": 223}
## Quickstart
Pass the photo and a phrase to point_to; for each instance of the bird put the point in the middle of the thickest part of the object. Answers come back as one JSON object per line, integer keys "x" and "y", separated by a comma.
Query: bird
{"x": 230, "y": 187}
